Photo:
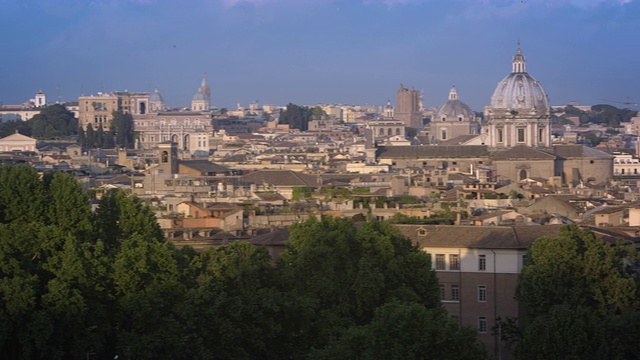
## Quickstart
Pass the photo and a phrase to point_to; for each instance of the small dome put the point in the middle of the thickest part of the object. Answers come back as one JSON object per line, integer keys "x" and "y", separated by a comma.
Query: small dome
{"x": 454, "y": 108}
{"x": 156, "y": 97}
{"x": 199, "y": 96}
{"x": 519, "y": 90}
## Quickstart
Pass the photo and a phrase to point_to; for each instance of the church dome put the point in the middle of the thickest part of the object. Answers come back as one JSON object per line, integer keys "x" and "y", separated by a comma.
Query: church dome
{"x": 519, "y": 90}
{"x": 454, "y": 108}
{"x": 199, "y": 96}
{"x": 156, "y": 97}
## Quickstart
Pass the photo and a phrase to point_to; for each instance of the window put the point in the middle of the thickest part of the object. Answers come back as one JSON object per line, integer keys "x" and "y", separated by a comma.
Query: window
{"x": 521, "y": 135}
{"x": 455, "y": 292}
{"x": 540, "y": 135}
{"x": 441, "y": 292}
{"x": 444, "y": 134}
{"x": 454, "y": 262}
{"x": 482, "y": 324}
{"x": 440, "y": 262}
{"x": 500, "y": 137}
{"x": 482, "y": 262}
{"x": 482, "y": 293}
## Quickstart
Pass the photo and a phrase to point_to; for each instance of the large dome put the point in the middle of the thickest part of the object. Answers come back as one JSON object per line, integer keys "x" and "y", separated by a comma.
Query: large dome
{"x": 519, "y": 90}
{"x": 454, "y": 108}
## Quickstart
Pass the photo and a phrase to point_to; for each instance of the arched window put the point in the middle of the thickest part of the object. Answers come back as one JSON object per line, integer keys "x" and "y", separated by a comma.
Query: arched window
{"x": 165, "y": 157}
{"x": 389, "y": 131}
{"x": 523, "y": 174}
{"x": 143, "y": 108}
{"x": 397, "y": 131}
{"x": 381, "y": 131}
{"x": 185, "y": 142}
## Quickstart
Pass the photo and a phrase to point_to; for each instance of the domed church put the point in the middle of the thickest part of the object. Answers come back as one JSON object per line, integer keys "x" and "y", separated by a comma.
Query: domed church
{"x": 452, "y": 119}
{"x": 519, "y": 110}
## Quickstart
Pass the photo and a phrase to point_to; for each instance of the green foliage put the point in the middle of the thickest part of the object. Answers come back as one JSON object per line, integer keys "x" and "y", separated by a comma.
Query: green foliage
{"x": 572, "y": 291}
{"x": 122, "y": 130}
{"x": 344, "y": 274}
{"x": 592, "y": 138}
{"x": 54, "y": 122}
{"x": 406, "y": 331}
{"x": 298, "y": 117}
{"x": 301, "y": 193}
{"x": 76, "y": 284}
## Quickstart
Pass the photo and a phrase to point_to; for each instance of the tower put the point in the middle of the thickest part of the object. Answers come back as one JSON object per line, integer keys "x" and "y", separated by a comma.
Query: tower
{"x": 40, "y": 99}
{"x": 168, "y": 156}
{"x": 519, "y": 111}
{"x": 201, "y": 101}
{"x": 408, "y": 107}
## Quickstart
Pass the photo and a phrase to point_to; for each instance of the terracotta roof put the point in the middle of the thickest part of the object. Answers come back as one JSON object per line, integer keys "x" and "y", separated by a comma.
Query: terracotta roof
{"x": 458, "y": 140}
{"x": 522, "y": 152}
{"x": 481, "y": 237}
{"x": 280, "y": 178}
{"x": 276, "y": 237}
{"x": 433, "y": 151}
{"x": 204, "y": 166}
{"x": 571, "y": 151}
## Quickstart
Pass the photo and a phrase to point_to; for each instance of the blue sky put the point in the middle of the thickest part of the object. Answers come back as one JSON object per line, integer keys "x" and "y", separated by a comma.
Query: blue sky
{"x": 318, "y": 51}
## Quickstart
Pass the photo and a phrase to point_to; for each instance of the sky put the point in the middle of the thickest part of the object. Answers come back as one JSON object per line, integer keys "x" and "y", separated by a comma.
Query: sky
{"x": 318, "y": 51}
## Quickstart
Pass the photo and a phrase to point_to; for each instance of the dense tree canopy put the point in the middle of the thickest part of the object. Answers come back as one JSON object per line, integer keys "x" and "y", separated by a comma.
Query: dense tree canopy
{"x": 77, "y": 284}
{"x": 579, "y": 299}
{"x": 298, "y": 117}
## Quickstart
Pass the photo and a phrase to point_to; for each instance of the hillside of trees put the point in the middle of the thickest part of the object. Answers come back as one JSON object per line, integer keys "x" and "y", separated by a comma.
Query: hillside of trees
{"x": 606, "y": 115}
{"x": 55, "y": 122}
{"x": 77, "y": 284}
{"x": 581, "y": 300}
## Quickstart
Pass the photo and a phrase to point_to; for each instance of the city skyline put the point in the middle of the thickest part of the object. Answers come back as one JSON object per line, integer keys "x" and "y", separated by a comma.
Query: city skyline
{"x": 315, "y": 51}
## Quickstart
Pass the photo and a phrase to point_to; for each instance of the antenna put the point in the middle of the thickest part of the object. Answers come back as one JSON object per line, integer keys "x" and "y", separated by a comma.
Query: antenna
{"x": 59, "y": 94}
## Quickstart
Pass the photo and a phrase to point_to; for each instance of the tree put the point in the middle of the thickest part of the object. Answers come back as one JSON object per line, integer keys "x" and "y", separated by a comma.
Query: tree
{"x": 54, "y": 122}
{"x": 340, "y": 275}
{"x": 90, "y": 138}
{"x": 575, "y": 284}
{"x": 406, "y": 331}
{"x": 298, "y": 117}
{"x": 122, "y": 125}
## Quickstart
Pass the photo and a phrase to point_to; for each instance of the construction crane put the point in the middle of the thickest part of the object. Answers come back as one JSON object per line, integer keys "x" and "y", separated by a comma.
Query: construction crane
{"x": 627, "y": 103}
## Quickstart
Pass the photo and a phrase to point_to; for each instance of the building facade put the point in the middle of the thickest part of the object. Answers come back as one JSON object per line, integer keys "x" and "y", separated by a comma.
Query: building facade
{"x": 190, "y": 130}
{"x": 97, "y": 110}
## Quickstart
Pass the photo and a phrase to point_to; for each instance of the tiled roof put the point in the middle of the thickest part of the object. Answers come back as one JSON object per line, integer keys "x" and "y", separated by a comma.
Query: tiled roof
{"x": 280, "y": 178}
{"x": 204, "y": 166}
{"x": 572, "y": 151}
{"x": 479, "y": 237}
{"x": 277, "y": 237}
{"x": 433, "y": 151}
{"x": 458, "y": 140}
{"x": 522, "y": 152}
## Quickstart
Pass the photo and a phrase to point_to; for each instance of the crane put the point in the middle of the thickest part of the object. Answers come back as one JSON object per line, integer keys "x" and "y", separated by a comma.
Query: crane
{"x": 628, "y": 102}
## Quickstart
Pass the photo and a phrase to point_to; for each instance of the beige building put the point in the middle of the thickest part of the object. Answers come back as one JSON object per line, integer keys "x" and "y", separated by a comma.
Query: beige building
{"x": 18, "y": 142}
{"x": 190, "y": 130}
{"x": 97, "y": 110}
